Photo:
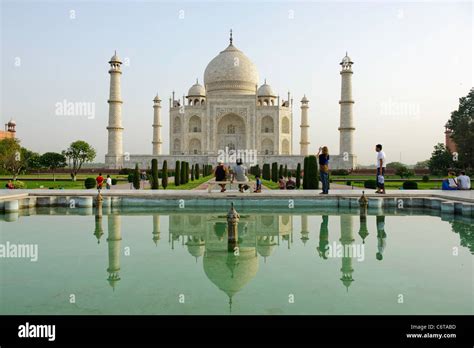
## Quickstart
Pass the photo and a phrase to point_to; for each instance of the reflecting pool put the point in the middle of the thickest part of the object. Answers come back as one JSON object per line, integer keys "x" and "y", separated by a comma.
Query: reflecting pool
{"x": 119, "y": 261}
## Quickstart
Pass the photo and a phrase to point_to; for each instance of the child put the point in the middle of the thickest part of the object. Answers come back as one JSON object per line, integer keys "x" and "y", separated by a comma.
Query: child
{"x": 258, "y": 184}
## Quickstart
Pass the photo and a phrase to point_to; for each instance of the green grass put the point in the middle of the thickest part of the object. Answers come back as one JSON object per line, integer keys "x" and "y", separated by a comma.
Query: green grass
{"x": 47, "y": 184}
{"x": 189, "y": 186}
{"x": 62, "y": 176}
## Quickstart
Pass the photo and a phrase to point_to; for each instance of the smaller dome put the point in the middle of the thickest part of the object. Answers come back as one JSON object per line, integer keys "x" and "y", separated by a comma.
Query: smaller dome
{"x": 265, "y": 90}
{"x": 197, "y": 90}
{"x": 115, "y": 58}
{"x": 11, "y": 122}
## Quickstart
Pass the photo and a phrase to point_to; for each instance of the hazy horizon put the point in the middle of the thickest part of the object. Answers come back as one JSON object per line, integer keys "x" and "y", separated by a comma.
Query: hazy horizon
{"x": 413, "y": 61}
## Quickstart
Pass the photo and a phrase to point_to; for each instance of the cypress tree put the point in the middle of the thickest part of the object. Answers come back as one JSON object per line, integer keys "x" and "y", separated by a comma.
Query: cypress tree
{"x": 177, "y": 172}
{"x": 196, "y": 171}
{"x": 136, "y": 177}
{"x": 182, "y": 178}
{"x": 312, "y": 181}
{"x": 298, "y": 175}
{"x": 192, "y": 172}
{"x": 285, "y": 171}
{"x": 275, "y": 172}
{"x": 164, "y": 174}
{"x": 187, "y": 172}
{"x": 257, "y": 170}
{"x": 280, "y": 171}
{"x": 154, "y": 174}
{"x": 266, "y": 171}
{"x": 305, "y": 174}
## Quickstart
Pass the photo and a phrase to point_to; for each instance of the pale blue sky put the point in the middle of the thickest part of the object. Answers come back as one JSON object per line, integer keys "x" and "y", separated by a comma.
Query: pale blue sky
{"x": 414, "y": 56}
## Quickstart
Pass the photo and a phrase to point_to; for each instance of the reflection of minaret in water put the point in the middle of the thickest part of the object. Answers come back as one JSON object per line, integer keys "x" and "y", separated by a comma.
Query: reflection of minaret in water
{"x": 346, "y": 240}
{"x": 99, "y": 231}
{"x": 114, "y": 240}
{"x": 363, "y": 203}
{"x": 156, "y": 228}
{"x": 304, "y": 229}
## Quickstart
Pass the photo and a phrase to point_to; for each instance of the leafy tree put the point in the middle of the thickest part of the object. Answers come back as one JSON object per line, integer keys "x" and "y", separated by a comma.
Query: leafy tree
{"x": 32, "y": 160}
{"x": 11, "y": 158}
{"x": 403, "y": 171}
{"x": 164, "y": 174}
{"x": 52, "y": 161}
{"x": 395, "y": 165}
{"x": 136, "y": 177}
{"x": 462, "y": 125}
{"x": 441, "y": 160}
{"x": 298, "y": 175}
{"x": 77, "y": 154}
{"x": 422, "y": 164}
{"x": 177, "y": 172}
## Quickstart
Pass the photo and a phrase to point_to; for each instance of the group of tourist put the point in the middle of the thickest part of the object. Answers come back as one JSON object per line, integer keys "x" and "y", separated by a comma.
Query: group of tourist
{"x": 100, "y": 182}
{"x": 453, "y": 182}
{"x": 238, "y": 173}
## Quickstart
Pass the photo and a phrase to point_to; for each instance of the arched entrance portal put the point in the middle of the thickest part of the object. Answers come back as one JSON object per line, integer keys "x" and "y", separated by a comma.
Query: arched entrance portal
{"x": 231, "y": 133}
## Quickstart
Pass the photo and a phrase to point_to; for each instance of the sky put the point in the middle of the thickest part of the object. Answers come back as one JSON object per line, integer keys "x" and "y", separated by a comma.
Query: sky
{"x": 412, "y": 63}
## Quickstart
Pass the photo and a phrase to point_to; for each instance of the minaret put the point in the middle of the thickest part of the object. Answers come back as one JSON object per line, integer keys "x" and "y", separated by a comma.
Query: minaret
{"x": 157, "y": 126}
{"x": 114, "y": 240}
{"x": 156, "y": 228}
{"x": 114, "y": 156}
{"x": 304, "y": 143}
{"x": 347, "y": 238}
{"x": 346, "y": 127}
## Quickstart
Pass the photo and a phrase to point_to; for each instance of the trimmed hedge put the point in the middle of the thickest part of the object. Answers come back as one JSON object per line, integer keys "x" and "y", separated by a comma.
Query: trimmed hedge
{"x": 298, "y": 175}
{"x": 177, "y": 173}
{"x": 114, "y": 181}
{"x": 136, "y": 177}
{"x": 340, "y": 172}
{"x": 370, "y": 184}
{"x": 425, "y": 178}
{"x": 311, "y": 173}
{"x": 89, "y": 183}
{"x": 275, "y": 172}
{"x": 266, "y": 171}
{"x": 164, "y": 174}
{"x": 410, "y": 185}
{"x": 154, "y": 174}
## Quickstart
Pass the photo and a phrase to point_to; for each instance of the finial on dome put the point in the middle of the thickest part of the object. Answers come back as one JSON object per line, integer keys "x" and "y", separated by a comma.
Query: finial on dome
{"x": 197, "y": 81}
{"x": 230, "y": 39}
{"x": 265, "y": 81}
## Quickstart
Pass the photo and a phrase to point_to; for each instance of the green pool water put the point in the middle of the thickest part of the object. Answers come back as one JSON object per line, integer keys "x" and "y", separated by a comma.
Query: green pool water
{"x": 289, "y": 262}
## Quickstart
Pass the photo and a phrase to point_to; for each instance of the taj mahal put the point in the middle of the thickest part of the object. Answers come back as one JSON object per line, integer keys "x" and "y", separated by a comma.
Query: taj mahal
{"x": 230, "y": 111}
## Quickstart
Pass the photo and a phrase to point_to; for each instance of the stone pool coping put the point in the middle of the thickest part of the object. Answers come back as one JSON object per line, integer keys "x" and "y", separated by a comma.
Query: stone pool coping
{"x": 448, "y": 202}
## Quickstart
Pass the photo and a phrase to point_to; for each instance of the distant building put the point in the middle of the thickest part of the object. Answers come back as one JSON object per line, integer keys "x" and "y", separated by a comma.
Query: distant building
{"x": 9, "y": 132}
{"x": 449, "y": 142}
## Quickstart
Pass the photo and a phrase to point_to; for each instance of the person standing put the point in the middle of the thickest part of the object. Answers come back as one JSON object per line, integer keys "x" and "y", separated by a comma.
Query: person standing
{"x": 323, "y": 158}
{"x": 381, "y": 165}
{"x": 100, "y": 181}
{"x": 108, "y": 182}
{"x": 464, "y": 182}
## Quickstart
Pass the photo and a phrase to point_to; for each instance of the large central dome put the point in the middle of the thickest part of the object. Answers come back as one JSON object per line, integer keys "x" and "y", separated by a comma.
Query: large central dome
{"x": 231, "y": 72}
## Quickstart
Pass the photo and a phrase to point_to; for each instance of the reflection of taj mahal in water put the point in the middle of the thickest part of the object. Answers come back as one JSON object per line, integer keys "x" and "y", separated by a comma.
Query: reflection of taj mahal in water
{"x": 215, "y": 239}
{"x": 233, "y": 111}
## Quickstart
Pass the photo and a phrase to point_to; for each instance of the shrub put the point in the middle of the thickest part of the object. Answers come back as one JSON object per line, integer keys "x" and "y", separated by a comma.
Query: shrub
{"x": 89, "y": 183}
{"x": 305, "y": 177}
{"x": 126, "y": 171}
{"x": 298, "y": 175}
{"x": 410, "y": 185}
{"x": 130, "y": 178}
{"x": 164, "y": 174}
{"x": 192, "y": 172}
{"x": 349, "y": 183}
{"x": 340, "y": 172}
{"x": 177, "y": 173}
{"x": 114, "y": 181}
{"x": 285, "y": 171}
{"x": 280, "y": 171}
{"x": 20, "y": 185}
{"x": 275, "y": 172}
{"x": 136, "y": 177}
{"x": 187, "y": 172}
{"x": 425, "y": 178}
{"x": 154, "y": 174}
{"x": 371, "y": 184}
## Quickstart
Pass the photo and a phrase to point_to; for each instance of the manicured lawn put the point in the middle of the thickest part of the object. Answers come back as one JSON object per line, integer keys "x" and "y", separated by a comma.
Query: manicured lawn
{"x": 47, "y": 184}
{"x": 189, "y": 186}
